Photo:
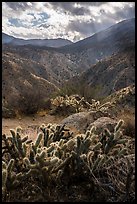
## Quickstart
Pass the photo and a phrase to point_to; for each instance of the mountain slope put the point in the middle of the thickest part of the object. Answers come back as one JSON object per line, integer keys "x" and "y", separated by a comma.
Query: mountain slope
{"x": 18, "y": 82}
{"x": 109, "y": 75}
{"x": 124, "y": 28}
{"x": 123, "y": 98}
{"x": 6, "y": 38}
{"x": 55, "y": 65}
{"x": 102, "y": 44}
{"x": 35, "y": 42}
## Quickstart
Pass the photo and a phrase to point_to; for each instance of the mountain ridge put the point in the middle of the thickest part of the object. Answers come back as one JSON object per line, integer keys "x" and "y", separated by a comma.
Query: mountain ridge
{"x": 37, "y": 42}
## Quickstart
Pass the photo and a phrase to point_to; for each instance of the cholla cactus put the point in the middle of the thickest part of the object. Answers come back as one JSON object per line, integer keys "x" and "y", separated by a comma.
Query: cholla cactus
{"x": 69, "y": 104}
{"x": 75, "y": 104}
{"x": 109, "y": 146}
{"x": 57, "y": 152}
{"x": 9, "y": 178}
{"x": 54, "y": 132}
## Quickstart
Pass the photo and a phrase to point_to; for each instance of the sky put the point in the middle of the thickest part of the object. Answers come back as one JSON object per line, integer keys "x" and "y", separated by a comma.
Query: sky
{"x": 69, "y": 20}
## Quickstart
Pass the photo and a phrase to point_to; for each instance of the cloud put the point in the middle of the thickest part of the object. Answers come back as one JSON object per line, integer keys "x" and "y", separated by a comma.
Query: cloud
{"x": 70, "y": 8}
{"x": 102, "y": 17}
{"x": 18, "y": 6}
{"x": 21, "y": 6}
{"x": 82, "y": 27}
{"x": 72, "y": 20}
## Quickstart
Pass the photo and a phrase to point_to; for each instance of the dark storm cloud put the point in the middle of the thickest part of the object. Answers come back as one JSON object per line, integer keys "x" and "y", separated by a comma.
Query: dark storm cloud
{"x": 92, "y": 3}
{"x": 18, "y": 5}
{"x": 80, "y": 11}
{"x": 66, "y": 6}
{"x": 69, "y": 7}
{"x": 105, "y": 20}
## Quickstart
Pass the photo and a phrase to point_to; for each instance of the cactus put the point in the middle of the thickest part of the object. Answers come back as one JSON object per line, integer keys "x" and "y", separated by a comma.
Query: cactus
{"x": 122, "y": 152}
{"x": 95, "y": 164}
{"x": 10, "y": 166}
{"x": 62, "y": 165}
{"x": 110, "y": 140}
{"x": 24, "y": 139}
{"x": 119, "y": 124}
{"x": 97, "y": 146}
{"x": 57, "y": 153}
{"x": 4, "y": 178}
{"x": 9, "y": 178}
{"x": 102, "y": 161}
{"x": 38, "y": 140}
{"x": 107, "y": 147}
{"x": 69, "y": 104}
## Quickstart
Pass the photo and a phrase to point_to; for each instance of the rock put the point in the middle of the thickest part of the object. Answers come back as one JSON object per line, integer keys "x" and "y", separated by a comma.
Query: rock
{"x": 82, "y": 120}
{"x": 103, "y": 122}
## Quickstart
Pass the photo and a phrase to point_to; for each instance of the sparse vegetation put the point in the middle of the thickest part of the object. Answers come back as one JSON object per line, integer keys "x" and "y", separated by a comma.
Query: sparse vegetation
{"x": 81, "y": 89}
{"x": 66, "y": 105}
{"x": 59, "y": 162}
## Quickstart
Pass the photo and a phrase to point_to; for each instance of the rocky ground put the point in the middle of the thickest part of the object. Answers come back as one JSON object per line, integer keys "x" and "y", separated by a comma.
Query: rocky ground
{"x": 29, "y": 123}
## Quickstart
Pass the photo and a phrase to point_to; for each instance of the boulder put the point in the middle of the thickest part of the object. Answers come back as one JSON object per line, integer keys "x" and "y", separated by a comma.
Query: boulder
{"x": 82, "y": 120}
{"x": 103, "y": 122}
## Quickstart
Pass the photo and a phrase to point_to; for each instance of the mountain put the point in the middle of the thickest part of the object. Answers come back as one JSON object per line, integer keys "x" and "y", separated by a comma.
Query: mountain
{"x": 6, "y": 38}
{"x": 89, "y": 51}
{"x": 102, "y": 44}
{"x": 35, "y": 42}
{"x": 20, "y": 82}
{"x": 50, "y": 65}
{"x": 124, "y": 28}
{"x": 46, "y": 69}
{"x": 27, "y": 70}
{"x": 108, "y": 75}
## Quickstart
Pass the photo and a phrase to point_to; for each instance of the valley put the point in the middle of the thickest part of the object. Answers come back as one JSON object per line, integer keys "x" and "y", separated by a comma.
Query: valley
{"x": 68, "y": 117}
{"x": 52, "y": 67}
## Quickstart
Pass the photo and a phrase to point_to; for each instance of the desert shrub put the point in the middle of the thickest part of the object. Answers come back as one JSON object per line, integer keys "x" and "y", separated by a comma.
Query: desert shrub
{"x": 30, "y": 102}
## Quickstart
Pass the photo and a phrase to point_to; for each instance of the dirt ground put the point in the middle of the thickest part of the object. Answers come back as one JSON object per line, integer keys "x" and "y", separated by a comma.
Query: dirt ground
{"x": 29, "y": 123}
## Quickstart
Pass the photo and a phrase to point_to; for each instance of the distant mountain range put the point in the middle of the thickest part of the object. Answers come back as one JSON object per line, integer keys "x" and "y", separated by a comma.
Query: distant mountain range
{"x": 102, "y": 44}
{"x": 106, "y": 59}
{"x": 112, "y": 34}
{"x": 36, "y": 42}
